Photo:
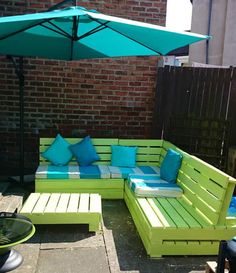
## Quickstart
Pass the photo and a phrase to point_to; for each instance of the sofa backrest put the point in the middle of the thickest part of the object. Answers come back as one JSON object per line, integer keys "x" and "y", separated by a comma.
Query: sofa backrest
{"x": 102, "y": 146}
{"x": 148, "y": 152}
{"x": 207, "y": 190}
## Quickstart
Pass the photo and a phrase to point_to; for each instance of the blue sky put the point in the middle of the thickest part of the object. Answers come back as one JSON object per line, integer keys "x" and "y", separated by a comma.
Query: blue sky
{"x": 179, "y": 14}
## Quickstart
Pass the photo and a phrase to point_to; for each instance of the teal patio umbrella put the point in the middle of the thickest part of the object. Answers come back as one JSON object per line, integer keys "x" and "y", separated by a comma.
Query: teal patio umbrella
{"x": 75, "y": 33}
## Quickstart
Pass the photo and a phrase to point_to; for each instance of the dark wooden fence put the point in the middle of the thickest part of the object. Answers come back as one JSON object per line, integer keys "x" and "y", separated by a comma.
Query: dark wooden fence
{"x": 196, "y": 110}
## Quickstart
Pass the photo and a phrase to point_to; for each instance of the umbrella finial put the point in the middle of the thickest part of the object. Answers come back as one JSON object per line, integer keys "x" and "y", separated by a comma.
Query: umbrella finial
{"x": 63, "y": 3}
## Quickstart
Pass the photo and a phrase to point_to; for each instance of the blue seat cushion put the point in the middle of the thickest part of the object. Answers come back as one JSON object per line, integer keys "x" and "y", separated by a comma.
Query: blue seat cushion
{"x": 153, "y": 186}
{"x": 84, "y": 152}
{"x": 72, "y": 171}
{"x": 170, "y": 166}
{"x": 92, "y": 171}
{"x": 58, "y": 152}
{"x": 124, "y": 172}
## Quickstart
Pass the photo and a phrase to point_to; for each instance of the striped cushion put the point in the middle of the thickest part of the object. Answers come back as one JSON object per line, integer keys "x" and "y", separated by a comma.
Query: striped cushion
{"x": 123, "y": 172}
{"x": 153, "y": 186}
{"x": 93, "y": 171}
{"x": 72, "y": 171}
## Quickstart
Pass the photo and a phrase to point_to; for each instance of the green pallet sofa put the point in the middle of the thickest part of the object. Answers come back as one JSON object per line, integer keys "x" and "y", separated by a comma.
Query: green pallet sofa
{"x": 190, "y": 225}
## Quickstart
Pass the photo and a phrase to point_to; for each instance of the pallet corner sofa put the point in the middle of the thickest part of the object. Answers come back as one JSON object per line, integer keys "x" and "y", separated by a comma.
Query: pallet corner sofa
{"x": 192, "y": 224}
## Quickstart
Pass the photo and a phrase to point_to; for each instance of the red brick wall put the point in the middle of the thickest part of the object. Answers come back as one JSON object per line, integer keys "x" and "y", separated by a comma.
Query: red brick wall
{"x": 102, "y": 98}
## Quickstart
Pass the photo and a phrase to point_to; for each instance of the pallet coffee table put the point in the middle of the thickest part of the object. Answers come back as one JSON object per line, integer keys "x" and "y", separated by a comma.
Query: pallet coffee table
{"x": 64, "y": 208}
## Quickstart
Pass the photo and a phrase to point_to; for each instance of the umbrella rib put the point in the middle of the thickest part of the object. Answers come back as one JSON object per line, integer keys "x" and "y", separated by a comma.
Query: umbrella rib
{"x": 60, "y": 31}
{"x": 96, "y": 29}
{"x": 117, "y": 31}
{"x": 91, "y": 32}
{"x": 23, "y": 29}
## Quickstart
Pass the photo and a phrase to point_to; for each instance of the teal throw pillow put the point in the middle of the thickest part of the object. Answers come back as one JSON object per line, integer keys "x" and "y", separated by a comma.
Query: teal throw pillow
{"x": 170, "y": 166}
{"x": 84, "y": 152}
{"x": 123, "y": 156}
{"x": 58, "y": 153}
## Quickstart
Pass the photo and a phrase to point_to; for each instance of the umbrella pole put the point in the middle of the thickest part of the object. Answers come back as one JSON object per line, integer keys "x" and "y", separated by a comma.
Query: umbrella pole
{"x": 22, "y": 148}
{"x": 20, "y": 74}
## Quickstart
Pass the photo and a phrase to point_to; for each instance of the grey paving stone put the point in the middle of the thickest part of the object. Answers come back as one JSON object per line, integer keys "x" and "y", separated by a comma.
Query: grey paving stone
{"x": 69, "y": 236}
{"x": 81, "y": 260}
{"x": 30, "y": 253}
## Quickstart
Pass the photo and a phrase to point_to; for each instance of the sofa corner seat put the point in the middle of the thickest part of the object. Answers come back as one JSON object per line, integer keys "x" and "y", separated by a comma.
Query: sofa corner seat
{"x": 192, "y": 224}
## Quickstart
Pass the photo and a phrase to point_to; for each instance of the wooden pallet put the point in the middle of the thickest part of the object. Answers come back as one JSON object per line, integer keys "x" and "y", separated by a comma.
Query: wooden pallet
{"x": 64, "y": 208}
{"x": 107, "y": 188}
{"x": 9, "y": 202}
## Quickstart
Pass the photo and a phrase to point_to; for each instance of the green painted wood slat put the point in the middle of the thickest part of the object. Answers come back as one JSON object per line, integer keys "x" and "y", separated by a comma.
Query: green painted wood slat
{"x": 204, "y": 181}
{"x": 205, "y": 195}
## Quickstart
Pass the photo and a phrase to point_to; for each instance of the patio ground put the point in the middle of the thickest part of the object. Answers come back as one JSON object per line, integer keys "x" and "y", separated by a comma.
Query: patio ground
{"x": 118, "y": 248}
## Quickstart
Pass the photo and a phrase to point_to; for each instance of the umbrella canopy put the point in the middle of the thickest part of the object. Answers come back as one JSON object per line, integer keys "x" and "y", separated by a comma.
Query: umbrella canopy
{"x": 76, "y": 33}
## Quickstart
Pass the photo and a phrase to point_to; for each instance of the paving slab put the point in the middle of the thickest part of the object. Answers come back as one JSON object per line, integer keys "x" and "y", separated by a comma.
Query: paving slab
{"x": 69, "y": 236}
{"x": 81, "y": 260}
{"x": 52, "y": 248}
{"x": 30, "y": 253}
